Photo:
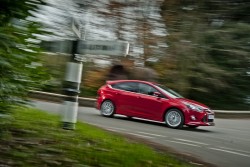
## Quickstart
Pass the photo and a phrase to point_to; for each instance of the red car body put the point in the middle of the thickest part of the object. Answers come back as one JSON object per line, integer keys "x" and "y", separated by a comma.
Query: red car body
{"x": 148, "y": 100}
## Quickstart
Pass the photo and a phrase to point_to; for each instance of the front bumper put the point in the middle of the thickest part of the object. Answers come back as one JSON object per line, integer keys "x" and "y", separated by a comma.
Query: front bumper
{"x": 200, "y": 124}
{"x": 201, "y": 119}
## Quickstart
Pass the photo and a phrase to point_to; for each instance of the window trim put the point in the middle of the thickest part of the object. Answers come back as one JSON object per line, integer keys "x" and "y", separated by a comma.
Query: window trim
{"x": 137, "y": 83}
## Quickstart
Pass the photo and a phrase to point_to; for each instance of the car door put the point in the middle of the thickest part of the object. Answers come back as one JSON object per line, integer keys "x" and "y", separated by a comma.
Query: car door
{"x": 149, "y": 106}
{"x": 126, "y": 97}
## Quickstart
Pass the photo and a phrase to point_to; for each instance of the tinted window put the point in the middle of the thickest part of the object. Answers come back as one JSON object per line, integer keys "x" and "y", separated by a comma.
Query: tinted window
{"x": 128, "y": 86}
{"x": 169, "y": 91}
{"x": 146, "y": 89}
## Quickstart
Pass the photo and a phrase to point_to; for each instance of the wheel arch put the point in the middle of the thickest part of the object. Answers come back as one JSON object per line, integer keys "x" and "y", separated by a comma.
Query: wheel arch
{"x": 105, "y": 99}
{"x": 173, "y": 121}
{"x": 108, "y": 97}
{"x": 114, "y": 107}
{"x": 172, "y": 107}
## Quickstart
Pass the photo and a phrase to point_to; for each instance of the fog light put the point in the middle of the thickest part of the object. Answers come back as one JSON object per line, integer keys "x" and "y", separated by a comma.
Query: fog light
{"x": 193, "y": 117}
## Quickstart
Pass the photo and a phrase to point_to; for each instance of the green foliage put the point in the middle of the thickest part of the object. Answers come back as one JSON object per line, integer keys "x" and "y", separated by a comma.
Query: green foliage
{"x": 20, "y": 69}
{"x": 36, "y": 139}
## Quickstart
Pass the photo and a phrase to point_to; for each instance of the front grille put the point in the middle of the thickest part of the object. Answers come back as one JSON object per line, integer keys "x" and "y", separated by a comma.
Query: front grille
{"x": 210, "y": 120}
{"x": 205, "y": 119}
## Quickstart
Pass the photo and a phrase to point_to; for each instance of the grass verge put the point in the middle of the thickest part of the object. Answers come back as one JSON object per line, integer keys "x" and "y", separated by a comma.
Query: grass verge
{"x": 34, "y": 138}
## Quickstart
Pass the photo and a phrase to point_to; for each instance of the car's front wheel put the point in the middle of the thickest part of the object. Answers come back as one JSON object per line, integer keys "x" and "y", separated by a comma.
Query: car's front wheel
{"x": 107, "y": 108}
{"x": 174, "y": 118}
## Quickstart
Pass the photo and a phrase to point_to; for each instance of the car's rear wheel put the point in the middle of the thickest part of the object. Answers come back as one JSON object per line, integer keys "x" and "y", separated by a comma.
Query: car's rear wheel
{"x": 174, "y": 118}
{"x": 107, "y": 108}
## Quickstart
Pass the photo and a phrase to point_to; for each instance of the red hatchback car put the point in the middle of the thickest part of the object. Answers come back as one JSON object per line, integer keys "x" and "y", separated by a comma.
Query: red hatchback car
{"x": 151, "y": 101}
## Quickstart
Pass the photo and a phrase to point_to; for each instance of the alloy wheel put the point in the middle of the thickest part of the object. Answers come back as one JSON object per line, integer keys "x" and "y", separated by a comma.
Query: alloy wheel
{"x": 174, "y": 118}
{"x": 107, "y": 108}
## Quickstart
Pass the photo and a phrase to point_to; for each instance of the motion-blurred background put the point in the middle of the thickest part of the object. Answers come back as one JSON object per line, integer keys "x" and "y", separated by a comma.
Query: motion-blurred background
{"x": 201, "y": 49}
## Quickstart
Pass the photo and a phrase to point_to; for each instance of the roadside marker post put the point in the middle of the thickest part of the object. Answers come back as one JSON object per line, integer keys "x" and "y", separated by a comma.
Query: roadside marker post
{"x": 73, "y": 74}
{"x": 71, "y": 86}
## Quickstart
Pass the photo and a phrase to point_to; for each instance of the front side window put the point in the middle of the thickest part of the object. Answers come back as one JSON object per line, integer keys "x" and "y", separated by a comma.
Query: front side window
{"x": 127, "y": 86}
{"x": 169, "y": 91}
{"x": 146, "y": 89}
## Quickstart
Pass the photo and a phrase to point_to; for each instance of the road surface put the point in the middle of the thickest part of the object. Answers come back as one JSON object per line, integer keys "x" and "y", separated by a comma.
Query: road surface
{"x": 225, "y": 145}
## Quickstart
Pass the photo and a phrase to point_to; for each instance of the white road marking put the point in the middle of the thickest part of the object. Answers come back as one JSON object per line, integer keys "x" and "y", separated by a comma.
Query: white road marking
{"x": 113, "y": 130}
{"x": 108, "y": 128}
{"x": 180, "y": 141}
{"x": 195, "y": 163}
{"x": 151, "y": 134}
{"x": 189, "y": 144}
{"x": 247, "y": 152}
{"x": 93, "y": 124}
{"x": 121, "y": 129}
{"x": 144, "y": 136}
{"x": 191, "y": 141}
{"x": 228, "y": 151}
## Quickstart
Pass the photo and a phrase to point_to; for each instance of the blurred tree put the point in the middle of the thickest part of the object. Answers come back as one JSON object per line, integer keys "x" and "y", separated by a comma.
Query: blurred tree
{"x": 208, "y": 57}
{"x": 203, "y": 46}
{"x": 137, "y": 22}
{"x": 20, "y": 69}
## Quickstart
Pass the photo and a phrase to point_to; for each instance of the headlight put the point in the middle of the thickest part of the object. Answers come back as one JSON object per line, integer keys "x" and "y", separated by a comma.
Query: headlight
{"x": 193, "y": 107}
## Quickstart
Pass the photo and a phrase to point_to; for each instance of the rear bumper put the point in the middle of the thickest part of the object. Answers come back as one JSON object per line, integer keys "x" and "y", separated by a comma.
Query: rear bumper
{"x": 98, "y": 103}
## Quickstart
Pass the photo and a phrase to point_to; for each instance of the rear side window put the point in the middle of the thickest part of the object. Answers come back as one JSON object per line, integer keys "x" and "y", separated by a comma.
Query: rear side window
{"x": 127, "y": 86}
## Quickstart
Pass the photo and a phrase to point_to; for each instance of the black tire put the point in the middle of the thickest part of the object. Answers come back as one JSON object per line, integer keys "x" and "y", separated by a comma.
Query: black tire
{"x": 107, "y": 108}
{"x": 174, "y": 118}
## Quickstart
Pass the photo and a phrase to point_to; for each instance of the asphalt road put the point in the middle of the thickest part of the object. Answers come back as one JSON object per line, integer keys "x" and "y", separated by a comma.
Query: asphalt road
{"x": 225, "y": 145}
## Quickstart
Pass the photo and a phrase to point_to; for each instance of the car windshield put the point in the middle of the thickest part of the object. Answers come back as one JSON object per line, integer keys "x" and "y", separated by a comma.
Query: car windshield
{"x": 169, "y": 92}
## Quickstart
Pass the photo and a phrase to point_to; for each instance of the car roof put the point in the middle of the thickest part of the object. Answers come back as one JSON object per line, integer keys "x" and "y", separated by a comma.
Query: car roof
{"x": 119, "y": 81}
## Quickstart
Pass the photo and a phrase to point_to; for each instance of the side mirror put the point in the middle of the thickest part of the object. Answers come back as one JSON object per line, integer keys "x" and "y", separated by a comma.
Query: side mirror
{"x": 157, "y": 94}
